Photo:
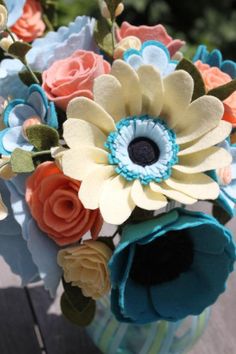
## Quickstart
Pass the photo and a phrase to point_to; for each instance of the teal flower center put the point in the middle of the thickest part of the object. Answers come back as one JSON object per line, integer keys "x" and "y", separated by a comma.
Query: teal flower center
{"x": 143, "y": 148}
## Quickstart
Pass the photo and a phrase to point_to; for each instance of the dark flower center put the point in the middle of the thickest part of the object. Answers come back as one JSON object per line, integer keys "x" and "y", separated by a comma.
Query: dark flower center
{"x": 164, "y": 259}
{"x": 143, "y": 151}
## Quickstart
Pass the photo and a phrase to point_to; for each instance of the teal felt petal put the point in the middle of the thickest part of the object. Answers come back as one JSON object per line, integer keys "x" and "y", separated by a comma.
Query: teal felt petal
{"x": 3, "y": 151}
{"x": 115, "y": 308}
{"x": 51, "y": 117}
{"x": 44, "y": 253}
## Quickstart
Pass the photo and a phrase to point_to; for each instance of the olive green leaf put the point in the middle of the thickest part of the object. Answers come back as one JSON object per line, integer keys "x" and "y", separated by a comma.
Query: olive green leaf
{"x": 112, "y": 6}
{"x": 103, "y": 36}
{"x": 224, "y": 91}
{"x": 21, "y": 161}
{"x": 220, "y": 214}
{"x": 19, "y": 49}
{"x": 27, "y": 79}
{"x": 42, "y": 137}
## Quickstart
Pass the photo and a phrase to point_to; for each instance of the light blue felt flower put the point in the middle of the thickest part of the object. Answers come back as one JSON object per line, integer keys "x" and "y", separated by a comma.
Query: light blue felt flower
{"x": 15, "y": 10}
{"x": 214, "y": 58}
{"x": 37, "y": 253}
{"x": 227, "y": 196}
{"x": 62, "y": 43}
{"x": 170, "y": 267}
{"x": 18, "y": 112}
{"x": 152, "y": 53}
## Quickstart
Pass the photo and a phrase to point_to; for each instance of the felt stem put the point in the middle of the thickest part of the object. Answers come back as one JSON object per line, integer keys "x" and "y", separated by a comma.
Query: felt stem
{"x": 34, "y": 77}
{"x": 48, "y": 23}
{"x": 113, "y": 35}
{"x": 10, "y": 34}
{"x": 41, "y": 153}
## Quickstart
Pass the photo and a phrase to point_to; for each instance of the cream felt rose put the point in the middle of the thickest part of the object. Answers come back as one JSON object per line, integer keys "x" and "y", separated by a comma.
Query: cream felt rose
{"x": 3, "y": 17}
{"x": 73, "y": 77}
{"x": 85, "y": 266}
{"x": 30, "y": 25}
{"x": 54, "y": 204}
{"x": 143, "y": 141}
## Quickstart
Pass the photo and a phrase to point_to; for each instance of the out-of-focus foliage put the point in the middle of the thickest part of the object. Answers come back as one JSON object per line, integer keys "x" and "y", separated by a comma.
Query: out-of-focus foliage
{"x": 211, "y": 22}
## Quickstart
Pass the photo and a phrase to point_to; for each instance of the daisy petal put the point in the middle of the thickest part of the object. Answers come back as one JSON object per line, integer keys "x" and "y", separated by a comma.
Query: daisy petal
{"x": 88, "y": 110}
{"x": 116, "y": 203}
{"x": 78, "y": 162}
{"x": 203, "y": 115}
{"x": 152, "y": 90}
{"x": 171, "y": 193}
{"x": 108, "y": 93}
{"x": 215, "y": 136}
{"x": 178, "y": 88}
{"x": 130, "y": 86}
{"x": 78, "y": 132}
{"x": 205, "y": 160}
{"x": 92, "y": 184}
{"x": 198, "y": 186}
{"x": 146, "y": 198}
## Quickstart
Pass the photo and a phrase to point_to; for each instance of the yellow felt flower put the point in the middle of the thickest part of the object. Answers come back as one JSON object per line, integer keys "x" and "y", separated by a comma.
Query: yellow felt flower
{"x": 143, "y": 141}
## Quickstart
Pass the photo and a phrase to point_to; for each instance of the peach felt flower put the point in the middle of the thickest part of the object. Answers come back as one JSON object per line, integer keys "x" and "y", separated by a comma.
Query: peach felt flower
{"x": 30, "y": 25}
{"x": 213, "y": 77}
{"x": 54, "y": 204}
{"x": 85, "y": 266}
{"x": 147, "y": 33}
{"x": 73, "y": 77}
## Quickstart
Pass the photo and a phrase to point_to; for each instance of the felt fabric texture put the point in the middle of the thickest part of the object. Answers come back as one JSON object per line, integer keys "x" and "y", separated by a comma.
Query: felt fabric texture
{"x": 15, "y": 10}
{"x": 193, "y": 290}
{"x": 114, "y": 116}
{"x": 39, "y": 253}
{"x": 20, "y": 114}
{"x": 151, "y": 53}
{"x": 215, "y": 58}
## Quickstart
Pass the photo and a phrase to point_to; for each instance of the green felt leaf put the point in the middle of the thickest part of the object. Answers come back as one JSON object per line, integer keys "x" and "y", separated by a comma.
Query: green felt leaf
{"x": 42, "y": 137}
{"x": 19, "y": 49}
{"x": 112, "y": 6}
{"x": 76, "y": 297}
{"x": 107, "y": 241}
{"x": 220, "y": 214}
{"x": 21, "y": 161}
{"x": 224, "y": 91}
{"x": 103, "y": 36}
{"x": 199, "y": 86}
{"x": 80, "y": 318}
{"x": 27, "y": 79}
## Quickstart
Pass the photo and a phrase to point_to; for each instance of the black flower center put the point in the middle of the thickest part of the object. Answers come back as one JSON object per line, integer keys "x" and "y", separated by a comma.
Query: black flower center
{"x": 143, "y": 151}
{"x": 164, "y": 259}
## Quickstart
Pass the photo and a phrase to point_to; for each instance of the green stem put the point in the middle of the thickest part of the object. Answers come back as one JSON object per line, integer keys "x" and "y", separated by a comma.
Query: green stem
{"x": 48, "y": 23}
{"x": 41, "y": 153}
{"x": 113, "y": 36}
{"x": 10, "y": 34}
{"x": 34, "y": 77}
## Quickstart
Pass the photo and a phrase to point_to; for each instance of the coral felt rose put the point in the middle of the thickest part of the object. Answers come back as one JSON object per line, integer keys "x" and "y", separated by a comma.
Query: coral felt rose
{"x": 54, "y": 204}
{"x": 30, "y": 25}
{"x": 85, "y": 266}
{"x": 73, "y": 77}
{"x": 213, "y": 77}
{"x": 147, "y": 33}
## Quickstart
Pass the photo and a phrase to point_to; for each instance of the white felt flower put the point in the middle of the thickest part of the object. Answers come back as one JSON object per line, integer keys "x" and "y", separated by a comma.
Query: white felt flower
{"x": 143, "y": 141}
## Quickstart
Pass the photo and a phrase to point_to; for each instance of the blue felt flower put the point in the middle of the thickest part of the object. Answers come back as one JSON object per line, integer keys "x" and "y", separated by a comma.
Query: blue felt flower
{"x": 226, "y": 177}
{"x": 28, "y": 251}
{"x": 19, "y": 112}
{"x": 214, "y": 58}
{"x": 170, "y": 267}
{"x": 152, "y": 53}
{"x": 15, "y": 10}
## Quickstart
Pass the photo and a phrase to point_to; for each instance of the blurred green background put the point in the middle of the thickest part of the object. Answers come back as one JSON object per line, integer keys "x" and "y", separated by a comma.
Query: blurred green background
{"x": 212, "y": 22}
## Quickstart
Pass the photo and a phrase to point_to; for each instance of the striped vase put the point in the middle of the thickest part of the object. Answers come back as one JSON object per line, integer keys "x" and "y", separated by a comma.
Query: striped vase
{"x": 113, "y": 337}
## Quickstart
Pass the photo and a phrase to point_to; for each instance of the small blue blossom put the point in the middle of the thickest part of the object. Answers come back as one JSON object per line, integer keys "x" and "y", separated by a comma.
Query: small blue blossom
{"x": 18, "y": 111}
{"x": 170, "y": 267}
{"x": 15, "y": 10}
{"x": 214, "y": 58}
{"x": 152, "y": 53}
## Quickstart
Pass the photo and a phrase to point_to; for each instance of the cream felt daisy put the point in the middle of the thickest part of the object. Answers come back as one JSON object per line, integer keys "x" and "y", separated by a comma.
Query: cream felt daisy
{"x": 143, "y": 141}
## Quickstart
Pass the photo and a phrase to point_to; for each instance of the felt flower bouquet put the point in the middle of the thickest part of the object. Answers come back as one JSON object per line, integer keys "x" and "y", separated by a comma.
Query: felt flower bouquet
{"x": 107, "y": 124}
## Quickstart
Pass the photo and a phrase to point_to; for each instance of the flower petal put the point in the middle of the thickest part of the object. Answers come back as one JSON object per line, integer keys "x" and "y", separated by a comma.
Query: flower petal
{"x": 178, "y": 91}
{"x": 15, "y": 115}
{"x": 77, "y": 132}
{"x": 38, "y": 100}
{"x": 215, "y": 136}
{"x": 197, "y": 186}
{"x": 203, "y": 115}
{"x": 116, "y": 203}
{"x": 13, "y": 139}
{"x": 152, "y": 90}
{"x": 172, "y": 193}
{"x": 130, "y": 86}
{"x": 108, "y": 93}
{"x": 91, "y": 186}
{"x": 205, "y": 160}
{"x": 78, "y": 162}
{"x": 146, "y": 198}
{"x": 88, "y": 110}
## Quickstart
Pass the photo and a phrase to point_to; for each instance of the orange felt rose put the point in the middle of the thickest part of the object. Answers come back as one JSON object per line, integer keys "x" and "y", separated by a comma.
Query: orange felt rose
{"x": 30, "y": 25}
{"x": 213, "y": 77}
{"x": 54, "y": 204}
{"x": 73, "y": 77}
